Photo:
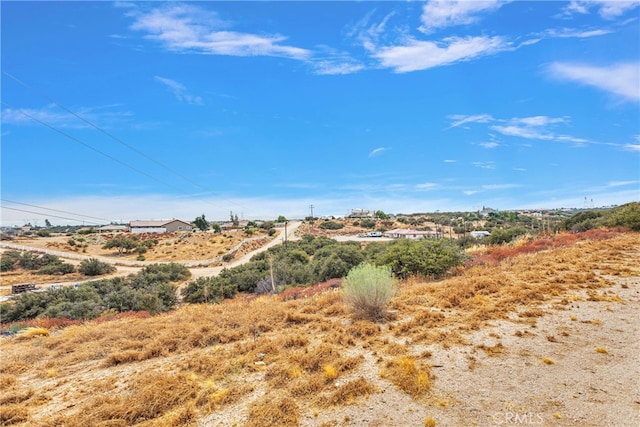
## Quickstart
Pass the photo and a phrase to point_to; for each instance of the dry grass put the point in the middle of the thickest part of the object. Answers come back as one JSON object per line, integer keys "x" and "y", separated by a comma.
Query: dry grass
{"x": 274, "y": 360}
{"x": 410, "y": 376}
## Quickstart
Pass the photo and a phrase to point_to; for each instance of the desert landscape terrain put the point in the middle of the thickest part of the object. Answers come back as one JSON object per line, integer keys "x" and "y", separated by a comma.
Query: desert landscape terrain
{"x": 541, "y": 338}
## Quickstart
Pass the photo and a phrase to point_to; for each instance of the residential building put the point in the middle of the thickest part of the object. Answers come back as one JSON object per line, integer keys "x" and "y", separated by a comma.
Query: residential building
{"x": 159, "y": 226}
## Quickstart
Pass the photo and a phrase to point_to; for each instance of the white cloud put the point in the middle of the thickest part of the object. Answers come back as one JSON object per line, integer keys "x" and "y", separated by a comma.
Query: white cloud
{"x": 484, "y": 165}
{"x": 460, "y": 119}
{"x": 522, "y": 132}
{"x": 632, "y": 147}
{"x": 500, "y": 186}
{"x": 622, "y": 183}
{"x": 179, "y": 91}
{"x": 377, "y": 151}
{"x": 538, "y": 120}
{"x": 445, "y": 13}
{"x": 489, "y": 145}
{"x": 519, "y": 169}
{"x": 450, "y": 161}
{"x": 621, "y": 79}
{"x": 326, "y": 67}
{"x": 415, "y": 55}
{"x": 53, "y": 116}
{"x": 427, "y": 186}
{"x": 187, "y": 28}
{"x": 574, "y": 33}
{"x": 607, "y": 9}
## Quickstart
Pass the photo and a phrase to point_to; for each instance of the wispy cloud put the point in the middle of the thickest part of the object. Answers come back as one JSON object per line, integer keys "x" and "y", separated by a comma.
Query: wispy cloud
{"x": 622, "y": 80}
{"x": 328, "y": 67}
{"x": 427, "y": 186}
{"x": 607, "y": 9}
{"x": 450, "y": 161}
{"x": 53, "y": 116}
{"x": 632, "y": 147}
{"x": 377, "y": 151}
{"x": 484, "y": 165}
{"x": 438, "y": 14}
{"x": 489, "y": 144}
{"x": 622, "y": 183}
{"x": 459, "y": 119}
{"x": 180, "y": 91}
{"x": 500, "y": 186}
{"x": 415, "y": 55}
{"x": 565, "y": 33}
{"x": 540, "y": 127}
{"x": 189, "y": 28}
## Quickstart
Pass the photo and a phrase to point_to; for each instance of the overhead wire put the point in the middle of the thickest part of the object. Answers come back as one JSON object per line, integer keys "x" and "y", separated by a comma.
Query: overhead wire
{"x": 50, "y": 215}
{"x": 54, "y": 210}
{"x": 110, "y": 135}
{"x": 73, "y": 138}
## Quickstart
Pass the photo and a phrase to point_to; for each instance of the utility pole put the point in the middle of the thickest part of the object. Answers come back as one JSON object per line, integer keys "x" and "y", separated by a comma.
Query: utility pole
{"x": 311, "y": 207}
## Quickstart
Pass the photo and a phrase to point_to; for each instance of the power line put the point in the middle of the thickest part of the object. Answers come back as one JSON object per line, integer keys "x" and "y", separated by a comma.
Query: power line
{"x": 118, "y": 140}
{"x": 49, "y": 215}
{"x": 73, "y": 138}
{"x": 54, "y": 210}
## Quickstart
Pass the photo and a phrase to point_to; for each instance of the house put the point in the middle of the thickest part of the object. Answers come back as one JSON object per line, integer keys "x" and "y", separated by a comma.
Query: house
{"x": 112, "y": 228}
{"x": 160, "y": 226}
{"x": 401, "y": 233}
{"x": 479, "y": 234}
{"x": 361, "y": 213}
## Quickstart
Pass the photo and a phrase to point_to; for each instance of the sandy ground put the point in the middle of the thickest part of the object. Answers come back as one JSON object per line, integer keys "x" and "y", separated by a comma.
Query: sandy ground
{"x": 582, "y": 387}
{"x": 543, "y": 372}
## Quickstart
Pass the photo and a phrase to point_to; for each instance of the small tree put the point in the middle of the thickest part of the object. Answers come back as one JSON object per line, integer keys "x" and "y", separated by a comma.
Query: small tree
{"x": 368, "y": 289}
{"x": 201, "y": 223}
{"x": 94, "y": 267}
{"x": 123, "y": 244}
{"x": 216, "y": 228}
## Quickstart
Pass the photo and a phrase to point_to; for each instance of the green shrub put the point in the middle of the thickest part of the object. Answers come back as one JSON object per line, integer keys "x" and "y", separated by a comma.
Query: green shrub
{"x": 367, "y": 289}
{"x": 430, "y": 258}
{"x": 331, "y": 225}
{"x": 94, "y": 267}
{"x": 57, "y": 268}
{"x": 227, "y": 257}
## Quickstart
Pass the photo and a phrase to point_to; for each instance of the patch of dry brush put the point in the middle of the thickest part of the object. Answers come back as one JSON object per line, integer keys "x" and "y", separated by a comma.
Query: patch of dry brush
{"x": 278, "y": 360}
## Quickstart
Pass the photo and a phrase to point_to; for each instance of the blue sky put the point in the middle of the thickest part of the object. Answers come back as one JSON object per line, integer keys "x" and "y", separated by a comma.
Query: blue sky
{"x": 151, "y": 110}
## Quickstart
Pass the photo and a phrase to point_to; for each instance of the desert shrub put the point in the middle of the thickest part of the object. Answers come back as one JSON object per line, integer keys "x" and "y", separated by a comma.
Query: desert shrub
{"x": 367, "y": 289}
{"x": 271, "y": 232}
{"x": 368, "y": 223}
{"x": 227, "y": 257}
{"x": 95, "y": 267}
{"x": 625, "y": 216}
{"x": 331, "y": 225}
{"x": 57, "y": 268}
{"x": 43, "y": 233}
{"x": 208, "y": 289}
{"x": 430, "y": 258}
{"x": 8, "y": 260}
{"x": 500, "y": 236}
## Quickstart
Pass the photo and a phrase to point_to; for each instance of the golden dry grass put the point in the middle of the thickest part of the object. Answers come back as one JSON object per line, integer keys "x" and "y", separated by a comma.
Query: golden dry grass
{"x": 279, "y": 360}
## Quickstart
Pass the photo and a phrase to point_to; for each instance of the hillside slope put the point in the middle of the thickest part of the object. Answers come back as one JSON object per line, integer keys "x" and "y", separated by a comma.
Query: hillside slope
{"x": 549, "y": 338}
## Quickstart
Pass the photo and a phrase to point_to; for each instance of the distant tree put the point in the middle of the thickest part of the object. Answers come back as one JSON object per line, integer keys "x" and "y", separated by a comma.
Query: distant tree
{"x": 201, "y": 223}
{"x": 331, "y": 225}
{"x": 421, "y": 257}
{"x": 281, "y": 218}
{"x": 626, "y": 216}
{"x": 234, "y": 219}
{"x": 47, "y": 223}
{"x": 216, "y": 228}
{"x": 94, "y": 267}
{"x": 122, "y": 243}
{"x": 381, "y": 215}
